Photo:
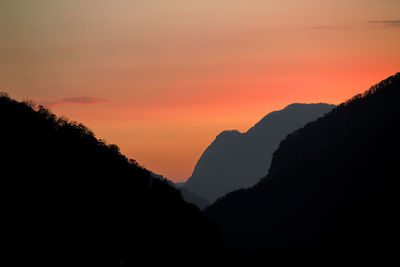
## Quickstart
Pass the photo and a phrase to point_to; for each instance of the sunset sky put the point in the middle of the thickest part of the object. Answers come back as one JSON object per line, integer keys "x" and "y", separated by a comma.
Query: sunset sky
{"x": 161, "y": 78}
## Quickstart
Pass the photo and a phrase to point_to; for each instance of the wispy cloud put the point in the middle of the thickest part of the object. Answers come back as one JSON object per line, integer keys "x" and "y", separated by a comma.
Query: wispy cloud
{"x": 383, "y": 23}
{"x": 328, "y": 27}
{"x": 72, "y": 100}
{"x": 320, "y": 27}
{"x": 386, "y": 23}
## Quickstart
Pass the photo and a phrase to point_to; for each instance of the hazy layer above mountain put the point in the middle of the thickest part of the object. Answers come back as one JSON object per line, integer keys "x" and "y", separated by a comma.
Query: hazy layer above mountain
{"x": 179, "y": 184}
{"x": 192, "y": 198}
{"x": 187, "y": 195}
{"x": 332, "y": 189}
{"x": 235, "y": 160}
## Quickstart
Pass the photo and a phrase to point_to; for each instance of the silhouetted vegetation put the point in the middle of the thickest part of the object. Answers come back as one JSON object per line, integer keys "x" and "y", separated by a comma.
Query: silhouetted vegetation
{"x": 71, "y": 198}
{"x": 331, "y": 192}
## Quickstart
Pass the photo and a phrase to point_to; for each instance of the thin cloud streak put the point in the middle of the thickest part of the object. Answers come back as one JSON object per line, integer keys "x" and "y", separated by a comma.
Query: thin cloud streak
{"x": 85, "y": 100}
{"x": 323, "y": 27}
{"x": 328, "y": 27}
{"x": 386, "y": 23}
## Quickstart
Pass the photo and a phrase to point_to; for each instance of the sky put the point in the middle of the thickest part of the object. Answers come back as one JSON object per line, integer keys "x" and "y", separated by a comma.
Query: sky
{"x": 161, "y": 78}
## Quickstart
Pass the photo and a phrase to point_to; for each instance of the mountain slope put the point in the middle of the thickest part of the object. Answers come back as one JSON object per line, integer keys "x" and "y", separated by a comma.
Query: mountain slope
{"x": 235, "y": 160}
{"x": 72, "y": 199}
{"x": 331, "y": 189}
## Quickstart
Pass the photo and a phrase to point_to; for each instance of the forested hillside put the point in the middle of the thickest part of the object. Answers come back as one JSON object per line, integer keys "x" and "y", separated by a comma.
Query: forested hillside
{"x": 331, "y": 192}
{"x": 71, "y": 198}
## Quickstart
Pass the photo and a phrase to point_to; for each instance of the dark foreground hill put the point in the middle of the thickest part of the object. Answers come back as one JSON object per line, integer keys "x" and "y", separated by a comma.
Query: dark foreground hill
{"x": 239, "y": 160}
{"x": 69, "y": 198}
{"x": 331, "y": 194}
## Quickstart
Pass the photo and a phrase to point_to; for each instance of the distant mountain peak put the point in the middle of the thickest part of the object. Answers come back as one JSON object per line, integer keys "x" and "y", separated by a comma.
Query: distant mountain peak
{"x": 237, "y": 160}
{"x": 227, "y": 134}
{"x": 289, "y": 109}
{"x": 300, "y": 105}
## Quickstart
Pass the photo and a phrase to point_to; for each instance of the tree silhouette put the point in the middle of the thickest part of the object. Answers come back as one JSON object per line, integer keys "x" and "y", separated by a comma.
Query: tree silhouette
{"x": 70, "y": 198}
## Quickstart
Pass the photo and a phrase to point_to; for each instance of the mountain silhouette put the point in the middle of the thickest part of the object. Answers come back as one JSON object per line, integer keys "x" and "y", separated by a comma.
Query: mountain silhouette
{"x": 239, "y": 160}
{"x": 331, "y": 194}
{"x": 71, "y": 199}
{"x": 187, "y": 195}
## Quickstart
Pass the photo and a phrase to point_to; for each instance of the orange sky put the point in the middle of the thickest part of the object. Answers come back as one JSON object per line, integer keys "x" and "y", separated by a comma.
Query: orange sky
{"x": 162, "y": 78}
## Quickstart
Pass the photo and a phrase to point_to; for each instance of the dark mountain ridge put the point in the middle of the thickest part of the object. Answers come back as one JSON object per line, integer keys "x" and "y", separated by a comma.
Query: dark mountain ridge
{"x": 71, "y": 199}
{"x": 239, "y": 160}
{"x": 331, "y": 191}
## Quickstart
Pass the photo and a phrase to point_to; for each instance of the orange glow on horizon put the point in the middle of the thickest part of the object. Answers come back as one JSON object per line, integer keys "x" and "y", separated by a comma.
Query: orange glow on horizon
{"x": 161, "y": 80}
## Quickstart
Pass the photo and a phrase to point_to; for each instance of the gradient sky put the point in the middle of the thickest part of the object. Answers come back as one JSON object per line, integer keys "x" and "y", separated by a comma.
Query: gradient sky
{"x": 161, "y": 78}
